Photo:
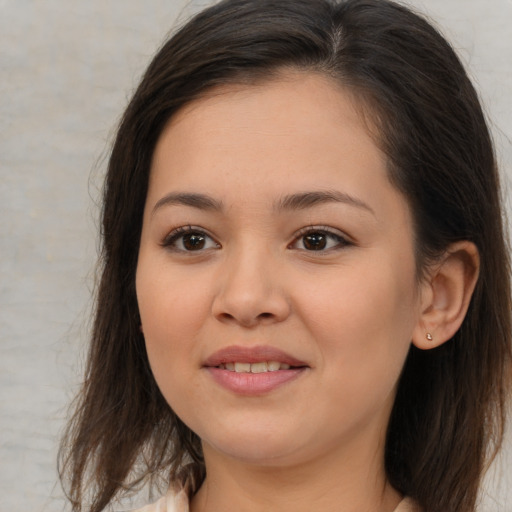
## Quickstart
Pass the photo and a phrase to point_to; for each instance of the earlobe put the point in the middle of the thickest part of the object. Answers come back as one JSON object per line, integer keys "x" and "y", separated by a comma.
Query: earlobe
{"x": 446, "y": 295}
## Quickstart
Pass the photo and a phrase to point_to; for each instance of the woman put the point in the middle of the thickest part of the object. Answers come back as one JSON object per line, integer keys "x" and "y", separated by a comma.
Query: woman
{"x": 305, "y": 297}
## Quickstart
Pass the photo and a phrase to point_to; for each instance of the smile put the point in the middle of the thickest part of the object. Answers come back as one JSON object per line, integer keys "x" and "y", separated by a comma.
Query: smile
{"x": 252, "y": 359}
{"x": 261, "y": 367}
{"x": 253, "y": 370}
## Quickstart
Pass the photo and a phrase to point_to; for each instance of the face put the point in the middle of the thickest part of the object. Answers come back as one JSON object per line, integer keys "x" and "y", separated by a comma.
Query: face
{"x": 276, "y": 275}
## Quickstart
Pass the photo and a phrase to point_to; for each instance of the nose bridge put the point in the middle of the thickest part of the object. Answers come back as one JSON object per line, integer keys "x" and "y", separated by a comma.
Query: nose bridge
{"x": 250, "y": 289}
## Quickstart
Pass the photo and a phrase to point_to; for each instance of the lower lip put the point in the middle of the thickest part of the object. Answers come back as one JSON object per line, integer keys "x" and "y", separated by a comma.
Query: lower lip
{"x": 252, "y": 384}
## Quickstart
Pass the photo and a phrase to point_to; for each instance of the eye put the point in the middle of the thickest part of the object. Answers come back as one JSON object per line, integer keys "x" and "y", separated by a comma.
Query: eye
{"x": 319, "y": 239}
{"x": 189, "y": 239}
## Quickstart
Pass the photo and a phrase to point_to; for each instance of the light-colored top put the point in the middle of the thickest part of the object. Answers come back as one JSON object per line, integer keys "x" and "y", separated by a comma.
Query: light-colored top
{"x": 178, "y": 502}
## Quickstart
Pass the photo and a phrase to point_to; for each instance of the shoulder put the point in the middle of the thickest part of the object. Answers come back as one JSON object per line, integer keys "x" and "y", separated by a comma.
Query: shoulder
{"x": 177, "y": 501}
{"x": 173, "y": 501}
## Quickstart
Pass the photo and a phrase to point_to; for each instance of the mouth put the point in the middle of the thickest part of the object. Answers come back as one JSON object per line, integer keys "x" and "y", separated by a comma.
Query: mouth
{"x": 260, "y": 367}
{"x": 256, "y": 359}
{"x": 253, "y": 370}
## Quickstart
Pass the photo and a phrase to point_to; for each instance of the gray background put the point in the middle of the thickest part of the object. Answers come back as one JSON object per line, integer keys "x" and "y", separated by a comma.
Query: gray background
{"x": 67, "y": 70}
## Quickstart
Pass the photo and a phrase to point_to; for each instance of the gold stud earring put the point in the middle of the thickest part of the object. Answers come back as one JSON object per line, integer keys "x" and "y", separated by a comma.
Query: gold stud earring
{"x": 429, "y": 336}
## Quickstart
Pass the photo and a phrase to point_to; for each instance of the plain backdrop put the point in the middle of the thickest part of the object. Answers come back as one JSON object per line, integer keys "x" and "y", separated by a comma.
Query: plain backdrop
{"x": 67, "y": 70}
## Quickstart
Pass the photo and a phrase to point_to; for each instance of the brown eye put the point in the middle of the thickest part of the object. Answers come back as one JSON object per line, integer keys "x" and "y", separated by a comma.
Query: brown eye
{"x": 194, "y": 242}
{"x": 315, "y": 241}
{"x": 320, "y": 240}
{"x": 188, "y": 239}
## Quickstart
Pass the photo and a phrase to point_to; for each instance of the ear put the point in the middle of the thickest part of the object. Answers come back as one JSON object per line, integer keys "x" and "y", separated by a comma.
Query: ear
{"x": 445, "y": 295}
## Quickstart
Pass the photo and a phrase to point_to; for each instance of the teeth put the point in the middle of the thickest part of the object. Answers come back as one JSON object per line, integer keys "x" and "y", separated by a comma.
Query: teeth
{"x": 273, "y": 366}
{"x": 261, "y": 367}
{"x": 242, "y": 367}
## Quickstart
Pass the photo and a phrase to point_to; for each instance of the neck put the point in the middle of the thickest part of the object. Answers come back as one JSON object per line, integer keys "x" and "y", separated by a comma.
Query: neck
{"x": 348, "y": 482}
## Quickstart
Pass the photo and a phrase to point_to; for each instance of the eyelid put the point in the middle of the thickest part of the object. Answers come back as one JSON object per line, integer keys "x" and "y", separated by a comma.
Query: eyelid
{"x": 174, "y": 235}
{"x": 345, "y": 240}
{"x": 180, "y": 231}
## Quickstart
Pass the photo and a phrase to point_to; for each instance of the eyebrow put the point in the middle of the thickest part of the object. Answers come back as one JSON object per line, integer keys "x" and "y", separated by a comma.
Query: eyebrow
{"x": 305, "y": 200}
{"x": 298, "y": 201}
{"x": 200, "y": 201}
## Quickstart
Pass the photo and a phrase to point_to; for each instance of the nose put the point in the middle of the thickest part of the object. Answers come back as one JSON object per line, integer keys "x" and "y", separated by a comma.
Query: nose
{"x": 251, "y": 290}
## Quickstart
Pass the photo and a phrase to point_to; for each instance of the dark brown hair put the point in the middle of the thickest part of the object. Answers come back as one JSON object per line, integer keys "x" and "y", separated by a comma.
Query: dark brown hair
{"x": 449, "y": 411}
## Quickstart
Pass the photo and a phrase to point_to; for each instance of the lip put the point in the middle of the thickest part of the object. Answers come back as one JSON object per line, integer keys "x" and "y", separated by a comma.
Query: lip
{"x": 242, "y": 354}
{"x": 253, "y": 384}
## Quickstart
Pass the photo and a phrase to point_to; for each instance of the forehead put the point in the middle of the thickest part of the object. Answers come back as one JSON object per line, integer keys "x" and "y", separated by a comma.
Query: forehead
{"x": 297, "y": 117}
{"x": 256, "y": 143}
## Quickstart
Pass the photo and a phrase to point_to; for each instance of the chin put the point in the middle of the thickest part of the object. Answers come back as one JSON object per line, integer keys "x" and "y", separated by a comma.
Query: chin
{"x": 259, "y": 455}
{"x": 258, "y": 447}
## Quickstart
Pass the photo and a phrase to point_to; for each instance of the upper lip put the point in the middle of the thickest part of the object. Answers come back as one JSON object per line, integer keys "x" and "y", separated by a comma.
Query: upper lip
{"x": 256, "y": 354}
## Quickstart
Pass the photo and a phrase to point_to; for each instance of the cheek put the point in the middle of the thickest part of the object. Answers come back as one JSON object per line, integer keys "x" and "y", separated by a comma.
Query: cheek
{"x": 173, "y": 310}
{"x": 363, "y": 325}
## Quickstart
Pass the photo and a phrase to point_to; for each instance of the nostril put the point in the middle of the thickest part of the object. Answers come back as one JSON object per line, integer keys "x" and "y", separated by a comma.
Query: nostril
{"x": 227, "y": 316}
{"x": 249, "y": 308}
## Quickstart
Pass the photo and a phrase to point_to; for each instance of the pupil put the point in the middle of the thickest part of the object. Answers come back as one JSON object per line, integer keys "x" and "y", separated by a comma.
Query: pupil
{"x": 315, "y": 241}
{"x": 193, "y": 242}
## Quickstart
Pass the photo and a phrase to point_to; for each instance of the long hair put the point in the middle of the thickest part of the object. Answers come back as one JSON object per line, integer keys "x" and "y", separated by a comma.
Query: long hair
{"x": 425, "y": 115}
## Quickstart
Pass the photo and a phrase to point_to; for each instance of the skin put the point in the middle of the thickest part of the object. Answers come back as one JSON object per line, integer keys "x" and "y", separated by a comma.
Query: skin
{"x": 348, "y": 311}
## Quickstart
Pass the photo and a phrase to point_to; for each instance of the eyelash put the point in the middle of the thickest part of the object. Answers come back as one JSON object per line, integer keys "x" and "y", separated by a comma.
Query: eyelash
{"x": 170, "y": 241}
{"x": 341, "y": 241}
{"x": 178, "y": 234}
